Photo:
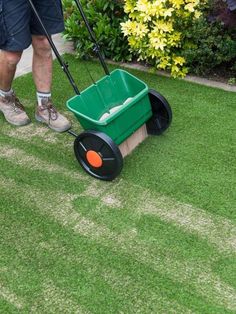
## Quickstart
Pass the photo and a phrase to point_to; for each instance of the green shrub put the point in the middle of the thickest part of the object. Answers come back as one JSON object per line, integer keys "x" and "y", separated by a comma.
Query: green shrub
{"x": 212, "y": 46}
{"x": 104, "y": 17}
{"x": 156, "y": 31}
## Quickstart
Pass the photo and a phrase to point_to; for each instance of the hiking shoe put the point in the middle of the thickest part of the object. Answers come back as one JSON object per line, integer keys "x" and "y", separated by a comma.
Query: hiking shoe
{"x": 13, "y": 110}
{"x": 47, "y": 114}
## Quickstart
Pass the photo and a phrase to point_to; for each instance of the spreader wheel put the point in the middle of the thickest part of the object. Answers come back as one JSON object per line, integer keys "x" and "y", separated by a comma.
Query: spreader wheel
{"x": 98, "y": 155}
{"x": 162, "y": 114}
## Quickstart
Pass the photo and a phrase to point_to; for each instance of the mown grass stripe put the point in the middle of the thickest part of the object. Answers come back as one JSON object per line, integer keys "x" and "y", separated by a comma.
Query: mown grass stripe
{"x": 32, "y": 162}
{"x": 142, "y": 301}
{"x": 89, "y": 228}
{"x": 217, "y": 230}
{"x": 55, "y": 300}
{"x": 69, "y": 257}
{"x": 200, "y": 275}
{"x": 11, "y": 297}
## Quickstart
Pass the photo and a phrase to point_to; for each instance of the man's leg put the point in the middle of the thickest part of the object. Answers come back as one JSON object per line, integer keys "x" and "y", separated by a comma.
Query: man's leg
{"x": 42, "y": 63}
{"x": 42, "y": 74}
{"x": 8, "y": 63}
{"x": 9, "y": 104}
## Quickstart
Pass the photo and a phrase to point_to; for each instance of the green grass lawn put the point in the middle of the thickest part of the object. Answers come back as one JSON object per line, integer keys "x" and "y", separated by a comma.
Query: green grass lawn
{"x": 161, "y": 238}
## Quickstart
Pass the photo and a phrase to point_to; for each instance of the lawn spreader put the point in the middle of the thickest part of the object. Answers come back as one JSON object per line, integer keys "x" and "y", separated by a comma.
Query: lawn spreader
{"x": 116, "y": 112}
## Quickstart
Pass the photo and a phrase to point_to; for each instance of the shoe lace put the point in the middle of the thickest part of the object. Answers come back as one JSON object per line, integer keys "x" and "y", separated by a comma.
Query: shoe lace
{"x": 52, "y": 112}
{"x": 15, "y": 103}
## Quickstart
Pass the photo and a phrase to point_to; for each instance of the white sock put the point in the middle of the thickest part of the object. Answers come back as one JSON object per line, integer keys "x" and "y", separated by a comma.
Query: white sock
{"x": 4, "y": 94}
{"x": 42, "y": 96}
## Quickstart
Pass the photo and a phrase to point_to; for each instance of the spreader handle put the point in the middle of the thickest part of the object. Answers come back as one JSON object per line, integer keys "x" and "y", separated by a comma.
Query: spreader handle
{"x": 97, "y": 48}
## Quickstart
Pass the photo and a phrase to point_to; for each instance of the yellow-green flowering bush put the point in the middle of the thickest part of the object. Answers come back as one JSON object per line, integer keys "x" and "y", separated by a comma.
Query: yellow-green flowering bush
{"x": 156, "y": 31}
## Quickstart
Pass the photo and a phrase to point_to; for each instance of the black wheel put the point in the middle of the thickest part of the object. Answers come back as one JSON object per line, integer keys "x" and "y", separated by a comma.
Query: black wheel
{"x": 162, "y": 114}
{"x": 98, "y": 155}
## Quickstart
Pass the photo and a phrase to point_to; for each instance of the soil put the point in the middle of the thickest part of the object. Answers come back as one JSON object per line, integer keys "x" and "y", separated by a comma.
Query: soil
{"x": 223, "y": 73}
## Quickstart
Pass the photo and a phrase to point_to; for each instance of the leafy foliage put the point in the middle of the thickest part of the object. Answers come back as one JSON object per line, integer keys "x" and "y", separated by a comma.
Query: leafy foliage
{"x": 104, "y": 18}
{"x": 179, "y": 36}
{"x": 212, "y": 46}
{"x": 156, "y": 31}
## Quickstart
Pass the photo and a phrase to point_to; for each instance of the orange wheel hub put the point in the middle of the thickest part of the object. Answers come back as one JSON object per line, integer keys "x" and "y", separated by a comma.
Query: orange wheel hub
{"x": 94, "y": 159}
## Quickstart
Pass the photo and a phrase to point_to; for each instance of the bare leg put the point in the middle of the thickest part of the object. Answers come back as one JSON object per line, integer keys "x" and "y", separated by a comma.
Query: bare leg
{"x": 10, "y": 105}
{"x": 42, "y": 63}
{"x": 42, "y": 73}
{"x": 8, "y": 64}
